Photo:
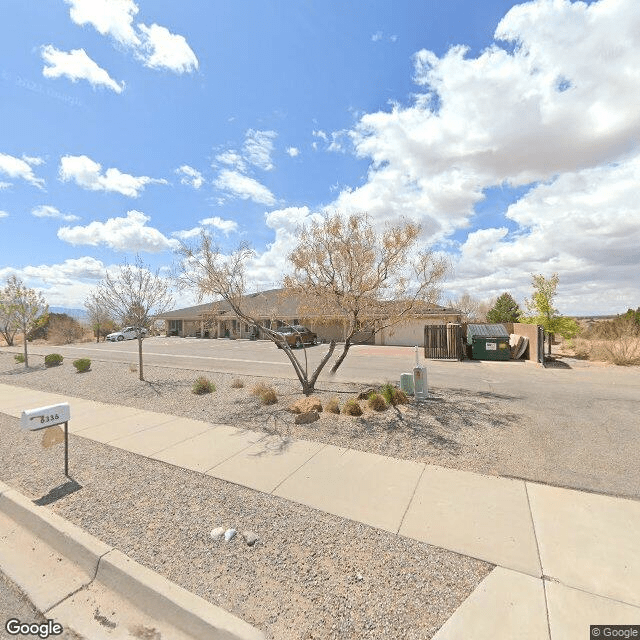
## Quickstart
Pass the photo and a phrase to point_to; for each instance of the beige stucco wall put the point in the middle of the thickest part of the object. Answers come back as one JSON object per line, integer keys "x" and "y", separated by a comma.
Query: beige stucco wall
{"x": 411, "y": 332}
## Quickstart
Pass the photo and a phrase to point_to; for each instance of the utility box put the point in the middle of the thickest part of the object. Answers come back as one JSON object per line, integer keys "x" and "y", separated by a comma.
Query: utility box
{"x": 406, "y": 383}
{"x": 420, "y": 388}
{"x": 488, "y": 342}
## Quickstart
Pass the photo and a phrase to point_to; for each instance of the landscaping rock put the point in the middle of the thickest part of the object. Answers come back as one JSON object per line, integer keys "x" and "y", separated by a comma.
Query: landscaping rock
{"x": 229, "y": 534}
{"x": 250, "y": 538}
{"x": 306, "y": 405}
{"x": 307, "y": 418}
{"x": 217, "y": 533}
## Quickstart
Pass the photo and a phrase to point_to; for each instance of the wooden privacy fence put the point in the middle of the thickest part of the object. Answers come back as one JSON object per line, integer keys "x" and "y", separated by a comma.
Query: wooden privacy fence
{"x": 443, "y": 341}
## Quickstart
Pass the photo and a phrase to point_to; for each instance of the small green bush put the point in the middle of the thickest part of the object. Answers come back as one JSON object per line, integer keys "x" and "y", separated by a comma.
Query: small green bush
{"x": 237, "y": 384}
{"x": 203, "y": 385}
{"x": 393, "y": 395}
{"x": 19, "y": 358}
{"x": 82, "y": 365}
{"x": 332, "y": 406}
{"x": 352, "y": 408}
{"x": 53, "y": 360}
{"x": 377, "y": 402}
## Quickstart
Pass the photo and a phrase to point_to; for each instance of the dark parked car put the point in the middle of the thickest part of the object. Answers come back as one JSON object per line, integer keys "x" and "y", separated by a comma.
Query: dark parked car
{"x": 296, "y": 336}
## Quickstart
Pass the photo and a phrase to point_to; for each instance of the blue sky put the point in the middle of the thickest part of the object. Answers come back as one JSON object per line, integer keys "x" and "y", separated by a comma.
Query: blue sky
{"x": 509, "y": 131}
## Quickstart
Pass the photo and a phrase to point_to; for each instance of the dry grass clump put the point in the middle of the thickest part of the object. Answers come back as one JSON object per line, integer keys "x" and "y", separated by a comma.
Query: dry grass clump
{"x": 266, "y": 393}
{"x": 332, "y": 406}
{"x": 133, "y": 368}
{"x": 236, "y": 383}
{"x": 203, "y": 385}
{"x": 352, "y": 408}
{"x": 377, "y": 402}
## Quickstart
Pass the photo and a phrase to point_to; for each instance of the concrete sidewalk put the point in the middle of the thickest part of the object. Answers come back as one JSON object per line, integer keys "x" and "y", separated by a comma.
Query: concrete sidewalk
{"x": 565, "y": 559}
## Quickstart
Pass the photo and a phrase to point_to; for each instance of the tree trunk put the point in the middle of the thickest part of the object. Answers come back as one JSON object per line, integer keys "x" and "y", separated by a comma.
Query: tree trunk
{"x": 26, "y": 356}
{"x": 98, "y": 334}
{"x": 140, "y": 356}
{"x": 343, "y": 355}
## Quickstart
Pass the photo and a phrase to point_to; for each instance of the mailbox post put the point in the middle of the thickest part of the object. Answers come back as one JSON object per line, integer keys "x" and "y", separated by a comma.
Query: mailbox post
{"x": 44, "y": 417}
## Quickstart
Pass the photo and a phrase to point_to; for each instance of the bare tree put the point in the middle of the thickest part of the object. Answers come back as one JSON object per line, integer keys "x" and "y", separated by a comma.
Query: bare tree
{"x": 8, "y": 325}
{"x": 98, "y": 315}
{"x": 372, "y": 280}
{"x": 472, "y": 309}
{"x": 26, "y": 306}
{"x": 214, "y": 275}
{"x": 135, "y": 295}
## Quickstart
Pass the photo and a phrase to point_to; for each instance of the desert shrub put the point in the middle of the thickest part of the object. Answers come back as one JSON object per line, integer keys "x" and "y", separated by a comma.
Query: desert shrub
{"x": 393, "y": 395}
{"x": 332, "y": 406}
{"x": 269, "y": 396}
{"x": 53, "y": 360}
{"x": 616, "y": 341}
{"x": 133, "y": 368}
{"x": 352, "y": 408}
{"x": 63, "y": 329}
{"x": 82, "y": 365}
{"x": 236, "y": 383}
{"x": 203, "y": 385}
{"x": 259, "y": 389}
{"x": 399, "y": 397}
{"x": 19, "y": 358}
{"x": 377, "y": 402}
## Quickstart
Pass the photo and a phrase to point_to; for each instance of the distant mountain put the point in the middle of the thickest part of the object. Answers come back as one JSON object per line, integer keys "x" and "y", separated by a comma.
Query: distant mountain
{"x": 78, "y": 314}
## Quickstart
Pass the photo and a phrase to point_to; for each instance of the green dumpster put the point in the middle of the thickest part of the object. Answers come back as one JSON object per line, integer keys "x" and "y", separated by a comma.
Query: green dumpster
{"x": 488, "y": 342}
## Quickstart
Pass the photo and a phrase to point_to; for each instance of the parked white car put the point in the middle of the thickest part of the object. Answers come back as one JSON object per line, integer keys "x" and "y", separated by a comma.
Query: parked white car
{"x": 128, "y": 333}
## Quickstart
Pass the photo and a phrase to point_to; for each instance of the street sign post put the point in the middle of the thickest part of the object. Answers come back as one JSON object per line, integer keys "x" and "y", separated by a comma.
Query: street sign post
{"x": 44, "y": 417}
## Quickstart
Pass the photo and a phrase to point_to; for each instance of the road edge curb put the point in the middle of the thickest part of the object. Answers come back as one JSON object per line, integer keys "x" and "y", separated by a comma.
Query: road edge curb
{"x": 146, "y": 589}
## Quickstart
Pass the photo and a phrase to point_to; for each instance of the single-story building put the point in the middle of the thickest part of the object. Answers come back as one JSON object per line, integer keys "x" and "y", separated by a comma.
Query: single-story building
{"x": 275, "y": 308}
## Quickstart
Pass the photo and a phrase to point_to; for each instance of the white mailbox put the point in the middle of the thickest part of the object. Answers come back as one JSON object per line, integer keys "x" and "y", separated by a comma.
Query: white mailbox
{"x": 43, "y": 417}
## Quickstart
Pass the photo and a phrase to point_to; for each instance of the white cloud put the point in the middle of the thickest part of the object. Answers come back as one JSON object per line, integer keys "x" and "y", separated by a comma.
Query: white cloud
{"x": 554, "y": 96}
{"x": 244, "y": 187}
{"x": 76, "y": 65}
{"x": 19, "y": 168}
{"x": 34, "y": 161}
{"x": 129, "y": 234}
{"x": 4, "y": 214}
{"x": 154, "y": 45}
{"x": 47, "y": 211}
{"x": 226, "y": 226}
{"x": 108, "y": 17}
{"x": 187, "y": 233}
{"x": 258, "y": 146}
{"x": 293, "y": 151}
{"x": 232, "y": 159}
{"x": 87, "y": 174}
{"x": 4, "y": 185}
{"x": 190, "y": 176}
{"x": 162, "y": 49}
{"x": 377, "y": 36}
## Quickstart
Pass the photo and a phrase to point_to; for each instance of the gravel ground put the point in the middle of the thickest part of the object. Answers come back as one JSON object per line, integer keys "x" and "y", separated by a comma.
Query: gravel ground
{"x": 454, "y": 428}
{"x": 310, "y": 576}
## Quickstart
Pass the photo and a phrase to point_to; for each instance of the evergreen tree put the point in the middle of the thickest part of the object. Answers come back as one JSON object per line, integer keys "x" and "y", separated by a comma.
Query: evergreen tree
{"x": 505, "y": 309}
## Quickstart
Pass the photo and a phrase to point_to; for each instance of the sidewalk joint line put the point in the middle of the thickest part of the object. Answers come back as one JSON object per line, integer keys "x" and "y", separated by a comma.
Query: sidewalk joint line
{"x": 233, "y": 455}
{"x": 84, "y": 586}
{"x": 413, "y": 493}
{"x": 595, "y": 595}
{"x": 322, "y": 448}
{"x": 209, "y": 428}
{"x": 535, "y": 537}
